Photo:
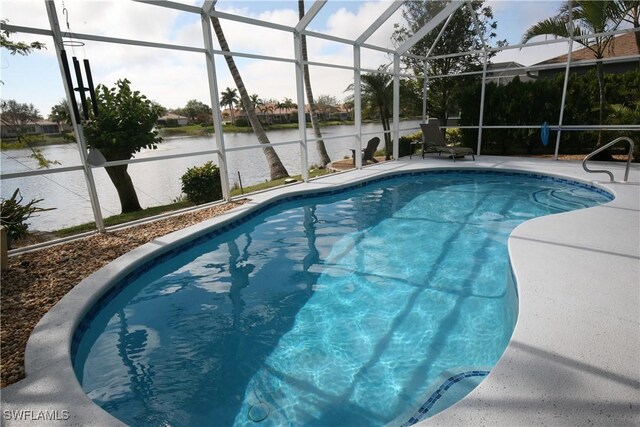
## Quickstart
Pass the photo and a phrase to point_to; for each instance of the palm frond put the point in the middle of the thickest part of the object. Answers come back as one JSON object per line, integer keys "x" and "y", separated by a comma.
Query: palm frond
{"x": 554, "y": 26}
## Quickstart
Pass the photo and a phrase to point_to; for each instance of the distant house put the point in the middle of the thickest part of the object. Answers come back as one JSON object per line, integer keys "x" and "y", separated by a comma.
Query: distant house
{"x": 622, "y": 47}
{"x": 270, "y": 113}
{"x": 41, "y": 127}
{"x": 172, "y": 120}
{"x": 502, "y": 73}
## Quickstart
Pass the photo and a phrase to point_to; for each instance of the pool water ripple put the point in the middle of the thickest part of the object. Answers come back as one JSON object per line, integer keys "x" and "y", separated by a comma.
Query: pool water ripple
{"x": 341, "y": 309}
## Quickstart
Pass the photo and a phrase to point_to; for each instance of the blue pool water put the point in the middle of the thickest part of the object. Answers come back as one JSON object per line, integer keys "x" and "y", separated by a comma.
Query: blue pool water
{"x": 371, "y": 306}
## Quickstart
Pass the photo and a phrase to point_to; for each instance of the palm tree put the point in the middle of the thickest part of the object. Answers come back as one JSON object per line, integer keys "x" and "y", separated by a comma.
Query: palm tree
{"x": 629, "y": 11}
{"x": 276, "y": 167}
{"x": 269, "y": 106}
{"x": 230, "y": 98}
{"x": 377, "y": 93}
{"x": 257, "y": 103}
{"x": 288, "y": 105}
{"x": 348, "y": 106}
{"x": 281, "y": 107}
{"x": 322, "y": 150}
{"x": 589, "y": 17}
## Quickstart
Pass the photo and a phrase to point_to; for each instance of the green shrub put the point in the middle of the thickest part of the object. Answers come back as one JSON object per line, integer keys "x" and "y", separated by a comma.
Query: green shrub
{"x": 453, "y": 136}
{"x": 201, "y": 184}
{"x": 538, "y": 101}
{"x": 14, "y": 215}
{"x": 241, "y": 122}
{"x": 405, "y": 141}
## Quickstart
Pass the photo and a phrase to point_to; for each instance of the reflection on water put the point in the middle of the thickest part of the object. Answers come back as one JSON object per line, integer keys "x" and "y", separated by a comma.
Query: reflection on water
{"x": 157, "y": 183}
{"x": 337, "y": 310}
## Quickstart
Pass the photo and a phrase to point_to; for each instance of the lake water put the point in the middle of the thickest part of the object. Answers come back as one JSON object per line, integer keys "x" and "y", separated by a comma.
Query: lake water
{"x": 158, "y": 183}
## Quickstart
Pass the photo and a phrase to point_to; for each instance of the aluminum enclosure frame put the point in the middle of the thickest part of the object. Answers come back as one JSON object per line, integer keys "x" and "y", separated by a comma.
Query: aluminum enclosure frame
{"x": 207, "y": 10}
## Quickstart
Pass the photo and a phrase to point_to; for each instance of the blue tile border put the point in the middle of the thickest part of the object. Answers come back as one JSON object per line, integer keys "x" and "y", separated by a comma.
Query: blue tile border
{"x": 217, "y": 231}
{"x": 422, "y": 412}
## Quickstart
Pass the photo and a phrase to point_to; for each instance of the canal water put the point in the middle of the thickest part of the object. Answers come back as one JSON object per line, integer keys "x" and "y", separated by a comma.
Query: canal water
{"x": 158, "y": 182}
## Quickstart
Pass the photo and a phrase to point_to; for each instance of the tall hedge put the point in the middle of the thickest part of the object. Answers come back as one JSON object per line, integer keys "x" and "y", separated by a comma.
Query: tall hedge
{"x": 538, "y": 101}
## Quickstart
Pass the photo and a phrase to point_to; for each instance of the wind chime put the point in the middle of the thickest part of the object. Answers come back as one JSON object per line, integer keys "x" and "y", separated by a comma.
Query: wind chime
{"x": 94, "y": 157}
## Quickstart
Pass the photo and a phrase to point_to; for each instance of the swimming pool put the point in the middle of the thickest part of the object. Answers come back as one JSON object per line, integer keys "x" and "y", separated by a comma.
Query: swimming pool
{"x": 351, "y": 309}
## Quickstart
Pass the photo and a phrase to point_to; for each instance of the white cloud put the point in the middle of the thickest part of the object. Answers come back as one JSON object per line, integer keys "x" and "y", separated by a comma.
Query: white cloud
{"x": 172, "y": 77}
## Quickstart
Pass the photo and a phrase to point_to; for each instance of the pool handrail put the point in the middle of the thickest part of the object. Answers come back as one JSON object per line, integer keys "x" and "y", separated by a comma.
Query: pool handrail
{"x": 615, "y": 141}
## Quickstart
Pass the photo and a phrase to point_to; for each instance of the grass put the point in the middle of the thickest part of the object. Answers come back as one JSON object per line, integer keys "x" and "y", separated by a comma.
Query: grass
{"x": 123, "y": 218}
{"x": 37, "y": 141}
{"x": 270, "y": 184}
{"x": 157, "y": 210}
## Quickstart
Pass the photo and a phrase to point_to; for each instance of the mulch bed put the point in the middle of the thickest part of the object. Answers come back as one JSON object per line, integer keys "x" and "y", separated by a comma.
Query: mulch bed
{"x": 35, "y": 281}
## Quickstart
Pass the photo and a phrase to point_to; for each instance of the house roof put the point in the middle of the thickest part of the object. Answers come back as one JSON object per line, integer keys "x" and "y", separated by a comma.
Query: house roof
{"x": 497, "y": 66}
{"x": 42, "y": 122}
{"x": 623, "y": 45}
{"x": 171, "y": 116}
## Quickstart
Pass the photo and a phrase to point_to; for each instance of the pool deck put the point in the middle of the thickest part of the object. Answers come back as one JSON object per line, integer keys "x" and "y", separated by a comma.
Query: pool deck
{"x": 573, "y": 359}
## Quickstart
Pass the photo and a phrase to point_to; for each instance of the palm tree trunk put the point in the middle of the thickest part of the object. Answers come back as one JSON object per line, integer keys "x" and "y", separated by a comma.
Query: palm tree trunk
{"x": 276, "y": 168}
{"x": 388, "y": 148}
{"x": 322, "y": 150}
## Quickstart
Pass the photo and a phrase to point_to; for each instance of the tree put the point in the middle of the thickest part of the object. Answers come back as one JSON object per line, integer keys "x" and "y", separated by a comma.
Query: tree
{"x": 229, "y": 99}
{"x": 257, "y": 102}
{"x": 162, "y": 110}
{"x": 459, "y": 36}
{"x": 322, "y": 150}
{"x": 123, "y": 127}
{"x": 326, "y": 104}
{"x": 19, "y": 117}
{"x": 276, "y": 167}
{"x": 20, "y": 48}
{"x": 288, "y": 104}
{"x": 588, "y": 17}
{"x": 195, "y": 108}
{"x": 348, "y": 106}
{"x": 629, "y": 11}
{"x": 60, "y": 113}
{"x": 269, "y": 107}
{"x": 377, "y": 94}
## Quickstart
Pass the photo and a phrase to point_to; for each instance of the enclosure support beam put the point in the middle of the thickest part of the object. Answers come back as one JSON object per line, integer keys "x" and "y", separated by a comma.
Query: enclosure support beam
{"x": 357, "y": 107}
{"x": 215, "y": 106}
{"x": 485, "y": 50}
{"x": 395, "y": 5}
{"x": 77, "y": 127}
{"x": 434, "y": 22}
{"x": 302, "y": 121}
{"x": 426, "y": 64}
{"x": 425, "y": 89}
{"x": 308, "y": 17}
{"x": 564, "y": 86}
{"x": 396, "y": 107}
{"x": 482, "y": 92}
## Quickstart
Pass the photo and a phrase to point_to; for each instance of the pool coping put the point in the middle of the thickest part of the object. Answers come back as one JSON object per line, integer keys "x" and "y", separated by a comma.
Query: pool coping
{"x": 540, "y": 339}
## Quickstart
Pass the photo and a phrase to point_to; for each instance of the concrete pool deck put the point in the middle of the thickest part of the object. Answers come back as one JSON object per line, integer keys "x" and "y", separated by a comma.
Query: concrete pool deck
{"x": 574, "y": 357}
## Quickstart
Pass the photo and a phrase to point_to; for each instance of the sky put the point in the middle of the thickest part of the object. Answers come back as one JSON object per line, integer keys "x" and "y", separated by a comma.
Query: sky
{"x": 172, "y": 77}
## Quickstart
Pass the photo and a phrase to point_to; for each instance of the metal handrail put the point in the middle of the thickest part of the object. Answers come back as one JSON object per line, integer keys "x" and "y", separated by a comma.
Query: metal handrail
{"x": 615, "y": 141}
